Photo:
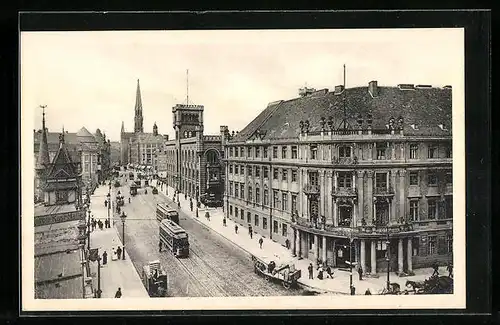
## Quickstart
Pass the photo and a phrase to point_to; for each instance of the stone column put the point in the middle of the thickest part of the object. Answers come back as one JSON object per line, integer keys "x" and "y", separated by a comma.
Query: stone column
{"x": 324, "y": 249}
{"x": 394, "y": 216}
{"x": 335, "y": 180}
{"x": 354, "y": 213}
{"x": 362, "y": 254}
{"x": 373, "y": 265}
{"x": 316, "y": 246}
{"x": 369, "y": 197}
{"x": 360, "y": 194}
{"x": 299, "y": 243}
{"x": 295, "y": 240}
{"x": 354, "y": 180}
{"x": 335, "y": 221}
{"x": 402, "y": 190}
{"x": 409, "y": 255}
{"x": 400, "y": 255}
{"x": 370, "y": 151}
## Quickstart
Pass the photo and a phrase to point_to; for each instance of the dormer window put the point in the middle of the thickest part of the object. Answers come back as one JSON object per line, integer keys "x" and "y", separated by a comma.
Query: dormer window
{"x": 314, "y": 151}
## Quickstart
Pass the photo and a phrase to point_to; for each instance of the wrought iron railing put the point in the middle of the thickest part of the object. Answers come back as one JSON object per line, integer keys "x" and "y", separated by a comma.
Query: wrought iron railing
{"x": 389, "y": 190}
{"x": 311, "y": 189}
{"x": 344, "y": 191}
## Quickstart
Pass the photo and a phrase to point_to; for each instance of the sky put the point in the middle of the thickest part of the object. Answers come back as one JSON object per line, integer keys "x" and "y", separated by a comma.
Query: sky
{"x": 90, "y": 78}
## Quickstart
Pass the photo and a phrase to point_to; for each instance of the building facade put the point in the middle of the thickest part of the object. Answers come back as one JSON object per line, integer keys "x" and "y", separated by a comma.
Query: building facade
{"x": 193, "y": 161}
{"x": 361, "y": 174}
{"x": 138, "y": 147}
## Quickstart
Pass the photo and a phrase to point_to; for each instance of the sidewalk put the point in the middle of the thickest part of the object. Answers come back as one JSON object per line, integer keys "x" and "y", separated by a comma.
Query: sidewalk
{"x": 340, "y": 282}
{"x": 115, "y": 274}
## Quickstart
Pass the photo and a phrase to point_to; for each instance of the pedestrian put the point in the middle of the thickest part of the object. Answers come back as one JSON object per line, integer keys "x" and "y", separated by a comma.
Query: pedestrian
{"x": 261, "y": 240}
{"x": 287, "y": 243}
{"x": 368, "y": 292}
{"x": 449, "y": 268}
{"x": 435, "y": 268}
{"x": 191, "y": 205}
{"x": 329, "y": 272}
{"x": 236, "y": 228}
{"x": 320, "y": 273}
{"x": 119, "y": 252}
{"x": 113, "y": 256}
{"x": 207, "y": 215}
{"x": 353, "y": 290}
{"x": 106, "y": 203}
{"x": 99, "y": 223}
{"x": 159, "y": 246}
{"x": 106, "y": 223}
{"x": 118, "y": 293}
{"x": 250, "y": 231}
{"x": 179, "y": 204}
{"x": 129, "y": 199}
{"x": 185, "y": 196}
{"x": 360, "y": 273}
{"x": 93, "y": 224}
{"x": 310, "y": 268}
{"x": 224, "y": 222}
{"x": 104, "y": 258}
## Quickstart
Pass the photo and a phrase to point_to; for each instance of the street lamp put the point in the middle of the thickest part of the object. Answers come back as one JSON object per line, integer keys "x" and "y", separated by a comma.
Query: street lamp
{"x": 109, "y": 205}
{"x": 387, "y": 243}
{"x": 197, "y": 192}
{"x": 350, "y": 260}
{"x": 81, "y": 240}
{"x": 123, "y": 217}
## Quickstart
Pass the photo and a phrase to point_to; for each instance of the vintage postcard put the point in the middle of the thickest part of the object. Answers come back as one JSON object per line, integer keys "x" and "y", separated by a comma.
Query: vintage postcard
{"x": 229, "y": 169}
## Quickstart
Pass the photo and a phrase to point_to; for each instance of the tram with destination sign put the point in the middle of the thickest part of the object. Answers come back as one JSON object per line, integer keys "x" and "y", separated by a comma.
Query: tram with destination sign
{"x": 174, "y": 238}
{"x": 163, "y": 211}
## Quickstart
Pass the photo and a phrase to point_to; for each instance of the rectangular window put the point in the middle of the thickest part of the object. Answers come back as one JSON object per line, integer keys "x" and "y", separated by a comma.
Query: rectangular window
{"x": 433, "y": 152}
{"x": 236, "y": 170}
{"x": 257, "y": 195}
{"x": 249, "y": 170}
{"x": 294, "y": 175}
{"x": 381, "y": 148}
{"x": 236, "y": 152}
{"x": 449, "y": 179}
{"x": 266, "y": 152}
{"x": 275, "y": 226}
{"x": 314, "y": 151}
{"x": 266, "y": 197}
{"x": 284, "y": 175}
{"x": 432, "y": 245}
{"x": 413, "y": 151}
{"x": 344, "y": 152}
{"x": 249, "y": 218}
{"x": 344, "y": 180}
{"x": 242, "y": 191}
{"x": 231, "y": 152}
{"x": 313, "y": 178}
{"x": 448, "y": 201}
{"x": 249, "y": 152}
{"x": 284, "y": 201}
{"x": 275, "y": 152}
{"x": 448, "y": 151}
{"x": 256, "y": 220}
{"x": 294, "y": 152}
{"x": 236, "y": 190}
{"x": 61, "y": 196}
{"x": 413, "y": 210}
{"x": 230, "y": 210}
{"x": 413, "y": 178}
{"x": 294, "y": 202}
{"x": 264, "y": 223}
{"x": 275, "y": 173}
{"x": 381, "y": 180}
{"x": 284, "y": 152}
{"x": 230, "y": 188}
{"x": 242, "y": 152}
{"x": 284, "y": 230}
{"x": 230, "y": 169}
{"x": 250, "y": 191}
{"x": 266, "y": 172}
{"x": 257, "y": 171}
{"x": 275, "y": 199}
{"x": 431, "y": 179}
{"x": 432, "y": 209}
{"x": 236, "y": 212}
{"x": 257, "y": 152}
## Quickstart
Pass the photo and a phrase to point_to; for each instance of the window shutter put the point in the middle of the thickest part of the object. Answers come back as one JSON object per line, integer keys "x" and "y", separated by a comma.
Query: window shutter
{"x": 422, "y": 247}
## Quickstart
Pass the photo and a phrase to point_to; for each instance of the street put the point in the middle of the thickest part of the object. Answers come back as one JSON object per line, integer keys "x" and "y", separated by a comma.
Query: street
{"x": 215, "y": 267}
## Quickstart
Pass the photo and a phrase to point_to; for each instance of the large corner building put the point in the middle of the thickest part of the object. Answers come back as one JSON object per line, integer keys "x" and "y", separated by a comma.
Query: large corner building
{"x": 358, "y": 174}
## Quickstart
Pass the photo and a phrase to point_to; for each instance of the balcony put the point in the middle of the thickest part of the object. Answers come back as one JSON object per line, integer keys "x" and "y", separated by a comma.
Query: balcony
{"x": 345, "y": 160}
{"x": 383, "y": 191}
{"x": 432, "y": 224}
{"x": 311, "y": 189}
{"x": 345, "y": 192}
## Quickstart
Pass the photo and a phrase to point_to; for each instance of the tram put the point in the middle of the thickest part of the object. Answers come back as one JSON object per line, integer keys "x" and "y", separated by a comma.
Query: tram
{"x": 163, "y": 211}
{"x": 173, "y": 237}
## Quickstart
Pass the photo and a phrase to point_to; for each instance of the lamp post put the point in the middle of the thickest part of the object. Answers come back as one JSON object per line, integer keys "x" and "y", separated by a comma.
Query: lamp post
{"x": 387, "y": 258}
{"x": 123, "y": 216}
{"x": 81, "y": 239}
{"x": 88, "y": 232}
{"x": 197, "y": 192}
{"x": 350, "y": 259}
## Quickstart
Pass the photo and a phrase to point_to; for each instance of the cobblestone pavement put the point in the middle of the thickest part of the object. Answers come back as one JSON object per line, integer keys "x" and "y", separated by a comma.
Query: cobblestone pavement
{"x": 215, "y": 267}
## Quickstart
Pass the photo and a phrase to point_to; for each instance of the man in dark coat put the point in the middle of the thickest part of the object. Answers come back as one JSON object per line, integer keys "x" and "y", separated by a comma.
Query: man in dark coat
{"x": 119, "y": 252}
{"x": 360, "y": 273}
{"x": 287, "y": 243}
{"x": 159, "y": 246}
{"x": 250, "y": 231}
{"x": 261, "y": 241}
{"x": 353, "y": 290}
{"x": 104, "y": 258}
{"x": 310, "y": 268}
{"x": 118, "y": 293}
{"x": 236, "y": 228}
{"x": 435, "y": 268}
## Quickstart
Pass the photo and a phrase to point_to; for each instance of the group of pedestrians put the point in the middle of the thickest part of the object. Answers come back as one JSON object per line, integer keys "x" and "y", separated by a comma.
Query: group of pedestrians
{"x": 99, "y": 224}
{"x": 324, "y": 271}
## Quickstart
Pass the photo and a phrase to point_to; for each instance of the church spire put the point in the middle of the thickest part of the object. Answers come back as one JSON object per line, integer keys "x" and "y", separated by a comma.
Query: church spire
{"x": 123, "y": 128}
{"x": 138, "y": 110}
{"x": 43, "y": 151}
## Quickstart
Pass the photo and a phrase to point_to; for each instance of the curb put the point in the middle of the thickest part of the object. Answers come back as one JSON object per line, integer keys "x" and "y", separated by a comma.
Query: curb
{"x": 303, "y": 285}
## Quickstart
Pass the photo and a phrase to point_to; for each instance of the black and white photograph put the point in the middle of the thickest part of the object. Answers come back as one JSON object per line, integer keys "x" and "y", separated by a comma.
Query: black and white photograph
{"x": 243, "y": 169}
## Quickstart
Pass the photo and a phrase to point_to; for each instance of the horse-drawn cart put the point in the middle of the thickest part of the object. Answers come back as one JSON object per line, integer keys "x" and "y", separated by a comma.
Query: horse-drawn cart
{"x": 284, "y": 273}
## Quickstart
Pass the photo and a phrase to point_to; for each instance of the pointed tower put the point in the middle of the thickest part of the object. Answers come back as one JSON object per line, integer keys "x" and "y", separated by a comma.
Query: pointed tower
{"x": 43, "y": 151}
{"x": 138, "y": 111}
{"x": 123, "y": 128}
{"x": 155, "y": 129}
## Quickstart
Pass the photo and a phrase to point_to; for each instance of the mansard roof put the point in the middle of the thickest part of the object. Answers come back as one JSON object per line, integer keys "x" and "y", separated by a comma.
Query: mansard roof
{"x": 422, "y": 110}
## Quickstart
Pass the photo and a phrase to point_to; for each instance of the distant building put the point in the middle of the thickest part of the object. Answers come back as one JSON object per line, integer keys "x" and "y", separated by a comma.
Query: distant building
{"x": 193, "y": 161}
{"x": 59, "y": 242}
{"x": 362, "y": 163}
{"x": 138, "y": 147}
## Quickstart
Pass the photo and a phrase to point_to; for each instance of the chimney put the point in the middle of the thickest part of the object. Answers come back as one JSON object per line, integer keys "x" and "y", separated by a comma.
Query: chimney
{"x": 338, "y": 90}
{"x": 373, "y": 88}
